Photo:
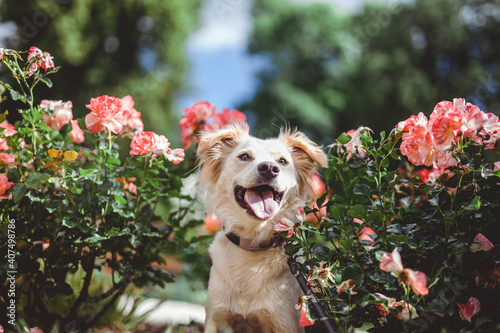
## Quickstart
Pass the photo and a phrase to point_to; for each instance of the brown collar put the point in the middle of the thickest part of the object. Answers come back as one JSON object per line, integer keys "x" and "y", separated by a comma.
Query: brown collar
{"x": 247, "y": 244}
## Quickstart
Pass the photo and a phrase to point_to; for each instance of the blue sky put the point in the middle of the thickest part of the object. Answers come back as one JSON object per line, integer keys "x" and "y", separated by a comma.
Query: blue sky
{"x": 221, "y": 72}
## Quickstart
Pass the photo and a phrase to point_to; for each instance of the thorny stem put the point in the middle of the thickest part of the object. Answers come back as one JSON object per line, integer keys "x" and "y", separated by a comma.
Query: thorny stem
{"x": 139, "y": 193}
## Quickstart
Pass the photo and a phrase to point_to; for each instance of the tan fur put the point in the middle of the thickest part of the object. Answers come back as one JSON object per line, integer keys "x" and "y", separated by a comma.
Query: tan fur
{"x": 252, "y": 291}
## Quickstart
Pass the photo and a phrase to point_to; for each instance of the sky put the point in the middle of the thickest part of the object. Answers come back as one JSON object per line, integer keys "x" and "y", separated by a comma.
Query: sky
{"x": 221, "y": 71}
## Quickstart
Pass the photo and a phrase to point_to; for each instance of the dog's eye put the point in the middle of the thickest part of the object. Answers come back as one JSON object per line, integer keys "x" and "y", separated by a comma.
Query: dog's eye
{"x": 282, "y": 161}
{"x": 244, "y": 157}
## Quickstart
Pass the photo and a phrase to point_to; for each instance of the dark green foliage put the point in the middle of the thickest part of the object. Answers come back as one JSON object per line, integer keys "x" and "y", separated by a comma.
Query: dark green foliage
{"x": 432, "y": 224}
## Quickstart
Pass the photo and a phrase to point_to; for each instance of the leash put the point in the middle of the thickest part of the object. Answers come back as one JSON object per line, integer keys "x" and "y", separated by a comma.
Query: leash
{"x": 313, "y": 300}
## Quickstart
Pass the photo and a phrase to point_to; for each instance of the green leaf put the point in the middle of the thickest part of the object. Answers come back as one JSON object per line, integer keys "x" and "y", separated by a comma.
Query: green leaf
{"x": 358, "y": 212}
{"x": 48, "y": 82}
{"x": 385, "y": 163}
{"x": 86, "y": 172}
{"x": 18, "y": 192}
{"x": 475, "y": 204}
{"x": 3, "y": 116}
{"x": 69, "y": 223}
{"x": 398, "y": 239}
{"x": 35, "y": 180}
{"x": 344, "y": 138}
{"x": 375, "y": 217}
{"x": 95, "y": 239}
{"x": 17, "y": 96}
{"x": 121, "y": 200}
{"x": 113, "y": 160}
{"x": 37, "y": 115}
{"x": 354, "y": 272}
{"x": 366, "y": 140}
{"x": 14, "y": 175}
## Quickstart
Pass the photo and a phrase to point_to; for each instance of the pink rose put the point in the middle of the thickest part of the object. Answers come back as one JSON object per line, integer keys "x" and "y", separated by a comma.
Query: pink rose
{"x": 355, "y": 146}
{"x": 417, "y": 143}
{"x": 492, "y": 129}
{"x": 391, "y": 262}
{"x": 408, "y": 312}
{"x": 3, "y": 144}
{"x": 382, "y": 308}
{"x": 474, "y": 117}
{"x": 76, "y": 135}
{"x": 131, "y": 117}
{"x": 39, "y": 59}
{"x": 226, "y": 117}
{"x": 407, "y": 124}
{"x": 481, "y": 243}
{"x": 143, "y": 143}
{"x": 318, "y": 185}
{"x": 4, "y": 186}
{"x": 416, "y": 280}
{"x": 163, "y": 148}
{"x": 446, "y": 122}
{"x": 285, "y": 225}
{"x": 469, "y": 309}
{"x": 56, "y": 114}
{"x": 7, "y": 160}
{"x": 347, "y": 285}
{"x": 199, "y": 112}
{"x": 496, "y": 166}
{"x": 106, "y": 112}
{"x": 177, "y": 156}
{"x": 9, "y": 129}
{"x": 192, "y": 120}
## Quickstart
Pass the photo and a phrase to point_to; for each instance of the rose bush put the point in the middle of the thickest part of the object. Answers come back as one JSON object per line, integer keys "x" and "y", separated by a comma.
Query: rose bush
{"x": 78, "y": 207}
{"x": 408, "y": 238}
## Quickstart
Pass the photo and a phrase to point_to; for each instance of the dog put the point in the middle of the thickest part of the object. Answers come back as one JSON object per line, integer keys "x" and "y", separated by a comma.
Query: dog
{"x": 250, "y": 184}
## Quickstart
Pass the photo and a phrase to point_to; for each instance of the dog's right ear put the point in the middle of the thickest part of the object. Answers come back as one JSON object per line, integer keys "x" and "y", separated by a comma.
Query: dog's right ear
{"x": 213, "y": 147}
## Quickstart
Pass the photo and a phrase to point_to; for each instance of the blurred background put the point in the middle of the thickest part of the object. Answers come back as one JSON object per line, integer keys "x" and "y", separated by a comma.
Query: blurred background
{"x": 323, "y": 66}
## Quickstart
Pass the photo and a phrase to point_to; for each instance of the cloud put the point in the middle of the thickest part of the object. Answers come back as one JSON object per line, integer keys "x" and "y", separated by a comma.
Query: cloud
{"x": 223, "y": 24}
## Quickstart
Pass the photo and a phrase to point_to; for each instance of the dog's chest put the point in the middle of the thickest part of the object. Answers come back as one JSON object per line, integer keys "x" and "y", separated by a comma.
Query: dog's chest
{"x": 247, "y": 282}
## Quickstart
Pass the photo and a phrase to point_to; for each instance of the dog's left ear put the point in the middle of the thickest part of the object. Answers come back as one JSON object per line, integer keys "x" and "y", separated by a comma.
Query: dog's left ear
{"x": 305, "y": 154}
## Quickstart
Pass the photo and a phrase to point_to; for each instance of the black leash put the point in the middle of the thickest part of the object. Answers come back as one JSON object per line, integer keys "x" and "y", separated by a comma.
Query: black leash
{"x": 313, "y": 300}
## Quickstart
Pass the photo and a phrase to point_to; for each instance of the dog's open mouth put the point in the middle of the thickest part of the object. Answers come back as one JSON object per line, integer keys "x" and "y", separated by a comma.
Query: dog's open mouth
{"x": 261, "y": 201}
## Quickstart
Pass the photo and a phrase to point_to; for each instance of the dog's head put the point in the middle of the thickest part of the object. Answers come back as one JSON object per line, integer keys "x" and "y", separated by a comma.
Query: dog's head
{"x": 251, "y": 183}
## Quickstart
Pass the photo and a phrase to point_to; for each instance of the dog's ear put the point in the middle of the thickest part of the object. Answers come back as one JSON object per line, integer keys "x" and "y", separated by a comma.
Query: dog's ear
{"x": 213, "y": 147}
{"x": 305, "y": 154}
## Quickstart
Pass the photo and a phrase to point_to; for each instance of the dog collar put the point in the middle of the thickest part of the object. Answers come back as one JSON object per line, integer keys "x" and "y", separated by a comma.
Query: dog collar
{"x": 247, "y": 244}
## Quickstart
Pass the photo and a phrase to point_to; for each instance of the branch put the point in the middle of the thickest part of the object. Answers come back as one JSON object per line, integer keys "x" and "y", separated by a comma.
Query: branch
{"x": 119, "y": 291}
{"x": 84, "y": 292}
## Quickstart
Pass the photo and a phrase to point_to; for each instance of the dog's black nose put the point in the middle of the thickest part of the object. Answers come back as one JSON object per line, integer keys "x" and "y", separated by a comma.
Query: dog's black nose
{"x": 268, "y": 170}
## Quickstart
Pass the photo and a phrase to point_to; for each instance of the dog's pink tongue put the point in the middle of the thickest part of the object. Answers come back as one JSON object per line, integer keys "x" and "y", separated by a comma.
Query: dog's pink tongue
{"x": 262, "y": 203}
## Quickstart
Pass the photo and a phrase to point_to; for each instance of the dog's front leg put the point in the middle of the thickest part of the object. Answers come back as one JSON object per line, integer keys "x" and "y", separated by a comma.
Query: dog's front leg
{"x": 215, "y": 321}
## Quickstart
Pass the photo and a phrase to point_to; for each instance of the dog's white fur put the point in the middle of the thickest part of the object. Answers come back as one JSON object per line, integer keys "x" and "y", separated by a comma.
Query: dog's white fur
{"x": 252, "y": 291}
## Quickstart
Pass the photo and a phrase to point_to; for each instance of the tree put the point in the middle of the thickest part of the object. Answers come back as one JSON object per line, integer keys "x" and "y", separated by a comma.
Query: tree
{"x": 300, "y": 84}
{"x": 115, "y": 48}
{"x": 328, "y": 73}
